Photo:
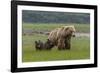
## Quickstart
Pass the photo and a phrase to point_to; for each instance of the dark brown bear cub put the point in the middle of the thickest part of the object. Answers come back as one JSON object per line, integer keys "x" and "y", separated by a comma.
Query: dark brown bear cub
{"x": 39, "y": 45}
{"x": 48, "y": 45}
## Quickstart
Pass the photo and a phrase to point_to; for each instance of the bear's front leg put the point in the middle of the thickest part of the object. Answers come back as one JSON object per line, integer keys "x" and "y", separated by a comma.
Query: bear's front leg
{"x": 68, "y": 44}
{"x": 61, "y": 44}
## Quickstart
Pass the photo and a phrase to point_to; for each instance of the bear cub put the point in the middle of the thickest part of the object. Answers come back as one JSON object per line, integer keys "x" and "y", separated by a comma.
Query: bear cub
{"x": 39, "y": 45}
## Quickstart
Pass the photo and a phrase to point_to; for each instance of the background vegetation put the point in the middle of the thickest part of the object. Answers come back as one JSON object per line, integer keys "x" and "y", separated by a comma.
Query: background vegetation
{"x": 55, "y": 17}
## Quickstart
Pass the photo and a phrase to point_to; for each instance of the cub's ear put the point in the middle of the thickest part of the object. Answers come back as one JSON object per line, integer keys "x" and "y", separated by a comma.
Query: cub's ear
{"x": 36, "y": 42}
{"x": 39, "y": 41}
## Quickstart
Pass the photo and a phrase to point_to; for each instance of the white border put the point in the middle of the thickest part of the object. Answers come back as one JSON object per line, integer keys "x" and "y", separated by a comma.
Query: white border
{"x": 53, "y": 63}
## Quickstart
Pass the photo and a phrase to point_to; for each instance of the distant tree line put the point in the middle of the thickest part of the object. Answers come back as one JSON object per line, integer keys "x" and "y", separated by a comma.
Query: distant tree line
{"x": 29, "y": 16}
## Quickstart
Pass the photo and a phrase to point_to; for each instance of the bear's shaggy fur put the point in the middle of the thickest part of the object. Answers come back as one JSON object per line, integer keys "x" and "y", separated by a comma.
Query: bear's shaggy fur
{"x": 61, "y": 44}
{"x": 53, "y": 36}
{"x": 61, "y": 37}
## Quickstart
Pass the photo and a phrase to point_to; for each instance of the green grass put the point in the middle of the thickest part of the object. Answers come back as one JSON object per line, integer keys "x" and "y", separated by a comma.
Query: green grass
{"x": 79, "y": 27}
{"x": 78, "y": 50}
{"x": 80, "y": 46}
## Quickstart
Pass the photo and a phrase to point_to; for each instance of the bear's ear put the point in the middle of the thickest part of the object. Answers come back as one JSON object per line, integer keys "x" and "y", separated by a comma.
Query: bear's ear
{"x": 67, "y": 28}
{"x": 73, "y": 28}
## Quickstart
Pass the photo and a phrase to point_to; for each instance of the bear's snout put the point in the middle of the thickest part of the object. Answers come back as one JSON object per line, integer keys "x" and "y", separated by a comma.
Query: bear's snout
{"x": 74, "y": 35}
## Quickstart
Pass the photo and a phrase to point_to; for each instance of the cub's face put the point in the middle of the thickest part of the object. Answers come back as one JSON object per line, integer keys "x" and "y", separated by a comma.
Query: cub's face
{"x": 37, "y": 44}
{"x": 49, "y": 43}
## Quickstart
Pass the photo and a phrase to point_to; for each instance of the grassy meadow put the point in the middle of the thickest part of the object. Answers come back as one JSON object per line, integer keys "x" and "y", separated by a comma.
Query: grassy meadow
{"x": 80, "y": 46}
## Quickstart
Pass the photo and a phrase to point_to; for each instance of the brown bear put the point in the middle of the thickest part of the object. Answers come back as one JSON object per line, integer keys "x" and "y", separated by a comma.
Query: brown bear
{"x": 39, "y": 45}
{"x": 61, "y": 37}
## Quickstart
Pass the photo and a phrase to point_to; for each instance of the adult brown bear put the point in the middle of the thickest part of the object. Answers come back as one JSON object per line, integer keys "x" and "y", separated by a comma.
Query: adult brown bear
{"x": 61, "y": 37}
